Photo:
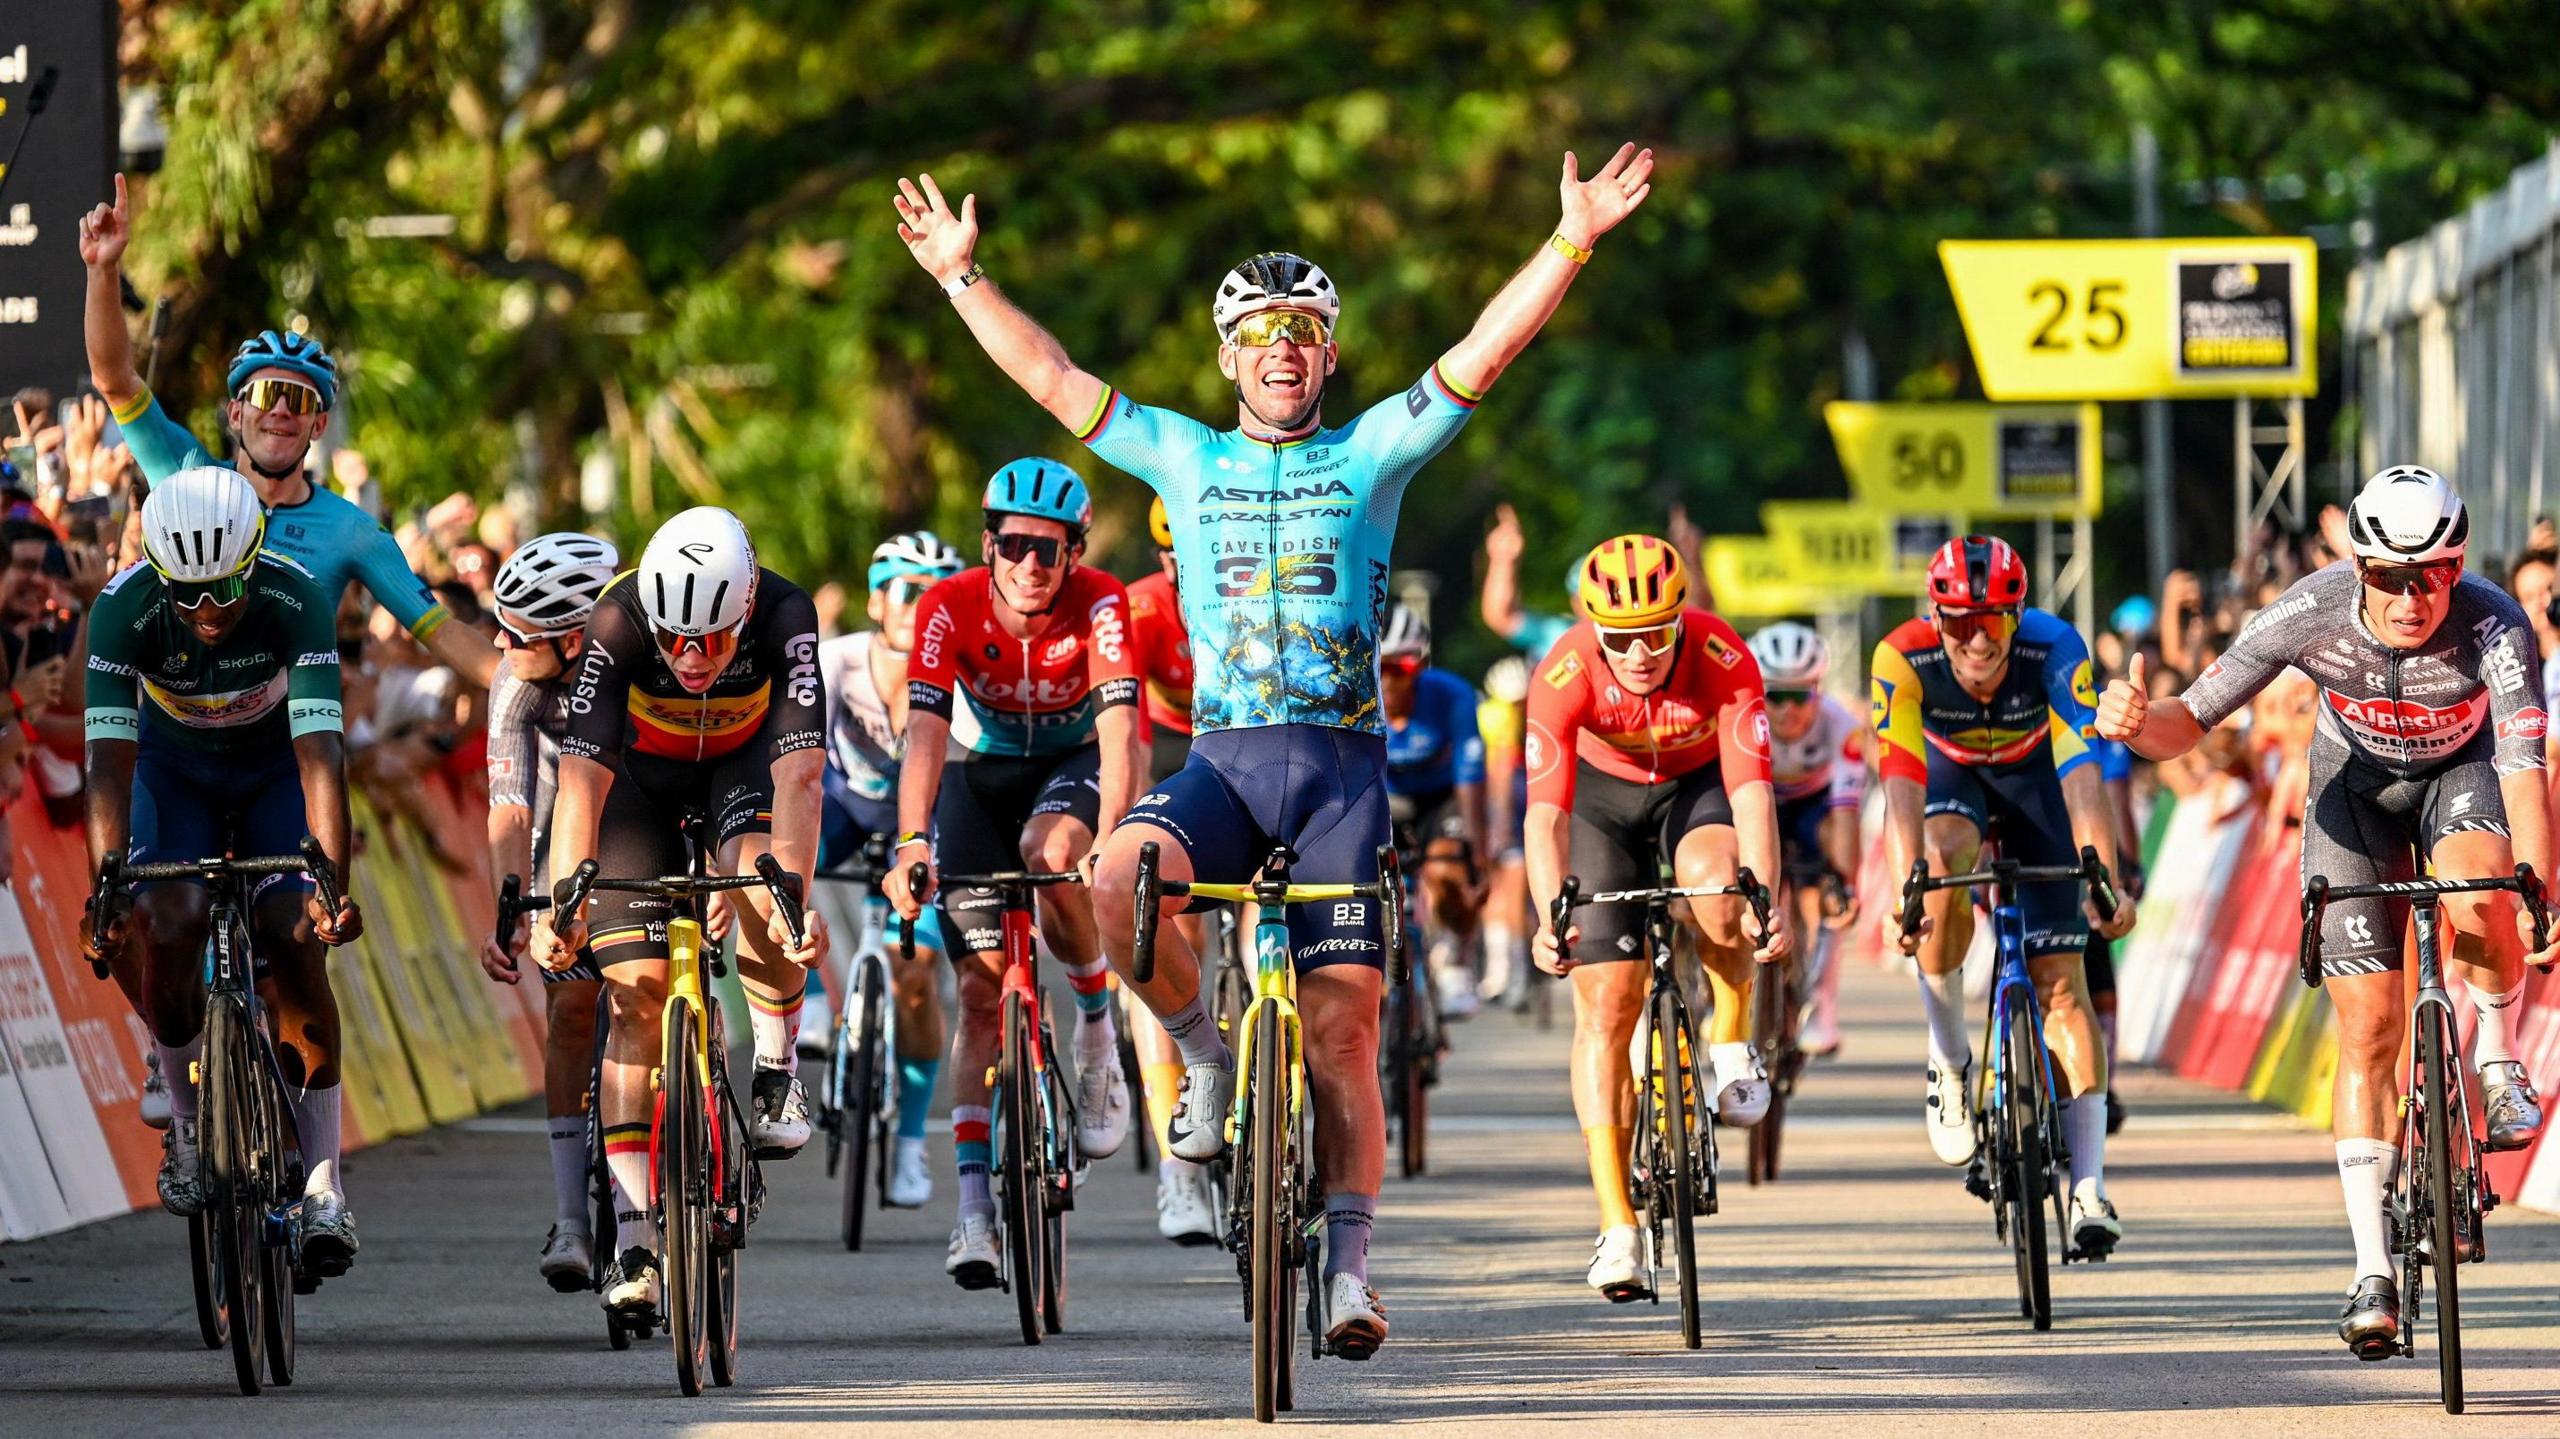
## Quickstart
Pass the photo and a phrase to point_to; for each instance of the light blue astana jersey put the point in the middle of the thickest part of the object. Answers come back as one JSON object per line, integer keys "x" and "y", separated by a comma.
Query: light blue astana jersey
{"x": 1282, "y": 548}
{"x": 328, "y": 534}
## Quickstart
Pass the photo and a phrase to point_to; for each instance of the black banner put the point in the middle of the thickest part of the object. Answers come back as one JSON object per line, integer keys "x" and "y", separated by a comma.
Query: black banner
{"x": 2039, "y": 460}
{"x": 2236, "y": 315}
{"x": 66, "y": 165}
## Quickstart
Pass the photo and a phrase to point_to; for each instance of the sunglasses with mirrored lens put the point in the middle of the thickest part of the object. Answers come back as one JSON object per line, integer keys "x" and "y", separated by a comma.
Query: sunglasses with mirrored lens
{"x": 1963, "y": 625}
{"x": 291, "y": 396}
{"x": 908, "y": 590}
{"x": 1790, "y": 697}
{"x": 719, "y": 645}
{"x": 1044, "y": 548}
{"x": 1272, "y": 326}
{"x": 1651, "y": 640}
{"x": 2427, "y": 579}
{"x": 512, "y": 638}
{"x": 195, "y": 594}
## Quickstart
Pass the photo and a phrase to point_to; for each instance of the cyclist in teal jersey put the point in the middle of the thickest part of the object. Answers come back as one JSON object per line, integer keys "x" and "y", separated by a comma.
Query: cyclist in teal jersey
{"x": 283, "y": 386}
{"x": 1282, "y": 531}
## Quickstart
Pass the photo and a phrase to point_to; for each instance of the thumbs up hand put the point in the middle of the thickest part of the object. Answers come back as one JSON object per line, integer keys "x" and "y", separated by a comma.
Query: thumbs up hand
{"x": 2126, "y": 706}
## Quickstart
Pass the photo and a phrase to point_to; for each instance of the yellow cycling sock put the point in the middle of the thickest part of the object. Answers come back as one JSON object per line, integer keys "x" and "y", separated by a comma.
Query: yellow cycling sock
{"x": 1732, "y": 1023}
{"x": 1606, "y": 1145}
{"x": 1162, "y": 1082}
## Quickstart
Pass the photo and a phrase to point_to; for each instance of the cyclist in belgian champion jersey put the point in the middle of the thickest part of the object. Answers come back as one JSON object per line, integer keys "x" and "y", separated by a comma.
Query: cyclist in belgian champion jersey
{"x": 1648, "y": 744}
{"x": 1982, "y": 711}
{"x": 1818, "y": 768}
{"x": 697, "y": 690}
{"x": 1435, "y": 788}
{"x": 865, "y": 676}
{"x": 542, "y": 596}
{"x": 2427, "y": 751}
{"x": 1022, "y": 669}
{"x": 239, "y": 750}
{"x": 1283, "y": 526}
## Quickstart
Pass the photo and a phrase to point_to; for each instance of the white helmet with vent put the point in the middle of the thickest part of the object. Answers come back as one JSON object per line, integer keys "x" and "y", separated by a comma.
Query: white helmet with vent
{"x": 203, "y": 524}
{"x": 549, "y": 585}
{"x": 698, "y": 575}
{"x": 2408, "y": 515}
{"x": 1791, "y": 656}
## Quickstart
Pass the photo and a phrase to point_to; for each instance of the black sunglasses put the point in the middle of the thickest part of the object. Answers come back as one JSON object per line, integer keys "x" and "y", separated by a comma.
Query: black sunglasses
{"x": 1017, "y": 548}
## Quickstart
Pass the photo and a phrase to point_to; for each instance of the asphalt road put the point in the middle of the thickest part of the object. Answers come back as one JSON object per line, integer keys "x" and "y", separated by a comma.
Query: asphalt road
{"x": 1865, "y": 1295}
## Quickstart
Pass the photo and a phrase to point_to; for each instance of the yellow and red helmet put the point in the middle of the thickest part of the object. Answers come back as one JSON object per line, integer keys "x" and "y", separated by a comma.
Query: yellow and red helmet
{"x": 1632, "y": 582}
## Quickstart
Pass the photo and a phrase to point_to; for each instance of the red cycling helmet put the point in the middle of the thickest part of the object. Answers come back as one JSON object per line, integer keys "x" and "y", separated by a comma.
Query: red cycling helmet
{"x": 1975, "y": 572}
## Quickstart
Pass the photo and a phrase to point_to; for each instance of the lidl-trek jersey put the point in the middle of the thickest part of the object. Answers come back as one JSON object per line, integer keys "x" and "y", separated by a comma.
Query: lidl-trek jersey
{"x": 1282, "y": 548}
{"x": 1036, "y": 695}
{"x": 329, "y": 535}
{"x": 1579, "y": 714}
{"x": 2046, "y": 698}
{"x": 274, "y": 677}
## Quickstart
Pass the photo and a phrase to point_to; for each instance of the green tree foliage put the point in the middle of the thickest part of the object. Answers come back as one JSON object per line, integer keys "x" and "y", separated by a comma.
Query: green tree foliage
{"x": 671, "y": 244}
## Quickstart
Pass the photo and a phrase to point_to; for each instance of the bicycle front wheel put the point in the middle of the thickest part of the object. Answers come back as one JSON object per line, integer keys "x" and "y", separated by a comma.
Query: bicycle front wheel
{"x": 858, "y": 1067}
{"x": 232, "y": 1198}
{"x": 1057, "y": 1196}
{"x": 684, "y": 1161}
{"x": 1018, "y": 1166}
{"x": 1676, "y": 1099}
{"x": 2435, "y": 1051}
{"x": 1274, "y": 1228}
{"x": 267, "y": 1142}
{"x": 1771, "y": 1003}
{"x": 2029, "y": 1181}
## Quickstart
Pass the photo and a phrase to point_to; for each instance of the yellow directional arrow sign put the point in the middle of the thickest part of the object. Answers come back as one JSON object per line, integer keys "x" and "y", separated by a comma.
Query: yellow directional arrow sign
{"x": 1982, "y": 461}
{"x": 2137, "y": 319}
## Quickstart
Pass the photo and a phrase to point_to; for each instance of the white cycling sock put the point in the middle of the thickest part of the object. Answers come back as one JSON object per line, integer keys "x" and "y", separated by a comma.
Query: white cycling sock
{"x": 315, "y": 1116}
{"x": 2364, "y": 1172}
{"x": 569, "y": 1170}
{"x": 774, "y": 1020}
{"x": 1195, "y": 1034}
{"x": 177, "y": 1070}
{"x": 2084, "y": 1127}
{"x": 1942, "y": 1001}
{"x": 2494, "y": 1044}
{"x": 626, "y": 1160}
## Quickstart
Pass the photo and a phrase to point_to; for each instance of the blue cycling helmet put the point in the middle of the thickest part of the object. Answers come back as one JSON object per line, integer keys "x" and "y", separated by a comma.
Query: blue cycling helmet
{"x": 916, "y": 552}
{"x": 1042, "y": 489}
{"x": 285, "y": 350}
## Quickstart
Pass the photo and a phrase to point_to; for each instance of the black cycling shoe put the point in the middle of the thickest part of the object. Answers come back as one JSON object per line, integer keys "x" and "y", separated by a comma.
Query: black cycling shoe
{"x": 2115, "y": 1111}
{"x": 2371, "y": 1321}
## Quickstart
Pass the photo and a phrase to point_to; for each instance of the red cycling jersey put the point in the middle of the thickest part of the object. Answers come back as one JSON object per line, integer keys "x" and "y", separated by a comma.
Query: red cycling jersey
{"x": 1578, "y": 711}
{"x": 1034, "y": 695}
{"x": 1164, "y": 652}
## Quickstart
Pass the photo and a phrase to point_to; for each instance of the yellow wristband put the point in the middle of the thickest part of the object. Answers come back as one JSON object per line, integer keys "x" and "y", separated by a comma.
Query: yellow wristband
{"x": 1568, "y": 249}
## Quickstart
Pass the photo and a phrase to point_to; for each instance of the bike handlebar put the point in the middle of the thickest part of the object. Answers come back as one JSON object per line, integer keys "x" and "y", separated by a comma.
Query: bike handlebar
{"x": 2091, "y": 871}
{"x": 117, "y": 876}
{"x": 1570, "y": 898}
{"x": 1151, "y": 889}
{"x": 570, "y": 894}
{"x": 2317, "y": 892}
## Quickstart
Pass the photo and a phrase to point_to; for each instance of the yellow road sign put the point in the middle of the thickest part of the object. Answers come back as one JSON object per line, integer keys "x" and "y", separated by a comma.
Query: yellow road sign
{"x": 1981, "y": 461}
{"x": 2138, "y": 319}
{"x": 1855, "y": 546}
{"x": 1753, "y": 575}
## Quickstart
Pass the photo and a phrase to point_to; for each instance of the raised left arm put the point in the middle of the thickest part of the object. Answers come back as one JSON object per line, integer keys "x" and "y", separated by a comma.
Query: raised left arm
{"x": 1591, "y": 208}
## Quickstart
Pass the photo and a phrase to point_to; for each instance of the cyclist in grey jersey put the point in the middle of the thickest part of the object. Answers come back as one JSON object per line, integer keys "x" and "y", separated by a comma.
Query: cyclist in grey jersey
{"x": 2429, "y": 743}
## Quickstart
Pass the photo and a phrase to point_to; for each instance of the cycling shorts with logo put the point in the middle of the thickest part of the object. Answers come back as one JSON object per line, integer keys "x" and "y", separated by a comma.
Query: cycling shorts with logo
{"x": 1320, "y": 790}
{"x": 185, "y": 810}
{"x": 978, "y": 819}
{"x": 2020, "y": 805}
{"x": 642, "y": 833}
{"x": 2365, "y": 825}
{"x": 1624, "y": 833}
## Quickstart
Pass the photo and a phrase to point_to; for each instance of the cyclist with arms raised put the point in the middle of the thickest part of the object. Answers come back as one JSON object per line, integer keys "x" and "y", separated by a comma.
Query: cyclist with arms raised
{"x": 1818, "y": 769}
{"x": 697, "y": 689}
{"x": 542, "y": 596}
{"x": 239, "y": 751}
{"x": 1648, "y": 743}
{"x": 1435, "y": 789}
{"x": 1283, "y": 527}
{"x": 1023, "y": 673}
{"x": 866, "y": 685}
{"x": 1982, "y": 711}
{"x": 2428, "y": 751}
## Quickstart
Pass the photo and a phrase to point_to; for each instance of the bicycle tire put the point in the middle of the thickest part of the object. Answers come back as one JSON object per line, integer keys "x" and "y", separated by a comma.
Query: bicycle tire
{"x": 1017, "y": 1175}
{"x": 860, "y": 1122}
{"x": 2028, "y": 1181}
{"x": 1769, "y": 1004}
{"x": 1057, "y": 1197}
{"x": 231, "y": 1193}
{"x": 683, "y": 1152}
{"x": 1142, "y": 1131}
{"x": 2444, "y": 1219}
{"x": 266, "y": 1136}
{"x": 1273, "y": 1226}
{"x": 1670, "y": 1044}
{"x": 727, "y": 1180}
{"x": 204, "y": 1258}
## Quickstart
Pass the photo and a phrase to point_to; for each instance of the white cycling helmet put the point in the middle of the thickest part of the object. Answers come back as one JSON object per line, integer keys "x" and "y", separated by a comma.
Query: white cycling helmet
{"x": 203, "y": 524}
{"x": 549, "y": 585}
{"x": 2408, "y": 515}
{"x": 1406, "y": 632}
{"x": 1274, "y": 280}
{"x": 1508, "y": 680}
{"x": 914, "y": 552}
{"x": 698, "y": 575}
{"x": 1791, "y": 656}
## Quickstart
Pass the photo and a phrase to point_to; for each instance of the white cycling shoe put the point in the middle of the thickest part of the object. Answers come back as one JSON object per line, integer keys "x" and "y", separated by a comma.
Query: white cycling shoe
{"x": 155, "y": 1092}
{"x": 1820, "y": 1036}
{"x": 974, "y": 1256}
{"x": 1742, "y": 1088}
{"x": 1948, "y": 1112}
{"x": 1102, "y": 1106}
{"x": 910, "y": 1178}
{"x": 2095, "y": 1230}
{"x": 781, "y": 1124}
{"x": 1199, "y": 1126}
{"x": 1617, "y": 1265}
{"x": 1457, "y": 989}
{"x": 568, "y": 1259}
{"x": 631, "y": 1287}
{"x": 1355, "y": 1318}
{"x": 1182, "y": 1207}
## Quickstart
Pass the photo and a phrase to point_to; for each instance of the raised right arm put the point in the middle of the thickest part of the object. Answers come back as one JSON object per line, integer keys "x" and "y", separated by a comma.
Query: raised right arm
{"x": 944, "y": 242}
{"x": 103, "y": 233}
